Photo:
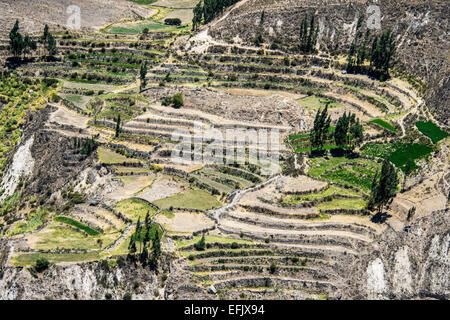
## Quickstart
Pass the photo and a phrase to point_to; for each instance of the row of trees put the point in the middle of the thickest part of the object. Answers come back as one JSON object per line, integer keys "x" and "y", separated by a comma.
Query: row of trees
{"x": 348, "y": 131}
{"x": 308, "y": 34}
{"x": 347, "y": 134}
{"x": 22, "y": 45}
{"x": 206, "y": 10}
{"x": 146, "y": 237}
{"x": 378, "y": 50}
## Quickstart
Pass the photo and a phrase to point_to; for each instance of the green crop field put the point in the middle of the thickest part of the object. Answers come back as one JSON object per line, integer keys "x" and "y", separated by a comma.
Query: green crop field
{"x": 399, "y": 154}
{"x": 346, "y": 177}
{"x": 192, "y": 199}
{"x": 77, "y": 224}
{"x": 431, "y": 130}
{"x": 384, "y": 124}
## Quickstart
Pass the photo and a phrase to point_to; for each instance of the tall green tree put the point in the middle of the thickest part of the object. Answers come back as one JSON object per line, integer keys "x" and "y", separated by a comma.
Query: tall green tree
{"x": 49, "y": 42}
{"x": 383, "y": 190}
{"x": 28, "y": 45}
{"x": 118, "y": 128}
{"x": 308, "y": 34}
{"x": 132, "y": 246}
{"x": 16, "y": 43}
{"x": 198, "y": 16}
{"x": 319, "y": 132}
{"x": 142, "y": 76}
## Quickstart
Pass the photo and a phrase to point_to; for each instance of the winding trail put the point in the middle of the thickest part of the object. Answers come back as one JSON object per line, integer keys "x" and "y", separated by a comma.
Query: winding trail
{"x": 235, "y": 197}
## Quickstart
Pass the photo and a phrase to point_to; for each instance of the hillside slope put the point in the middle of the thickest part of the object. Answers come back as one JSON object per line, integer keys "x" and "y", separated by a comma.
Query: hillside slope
{"x": 420, "y": 29}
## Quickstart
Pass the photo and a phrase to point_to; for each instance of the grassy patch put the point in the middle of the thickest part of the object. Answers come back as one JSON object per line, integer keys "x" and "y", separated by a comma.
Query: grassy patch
{"x": 34, "y": 220}
{"x": 29, "y": 259}
{"x": 355, "y": 204}
{"x": 77, "y": 224}
{"x": 332, "y": 190}
{"x": 431, "y": 131}
{"x": 192, "y": 199}
{"x": 108, "y": 156}
{"x": 135, "y": 209}
{"x": 56, "y": 237}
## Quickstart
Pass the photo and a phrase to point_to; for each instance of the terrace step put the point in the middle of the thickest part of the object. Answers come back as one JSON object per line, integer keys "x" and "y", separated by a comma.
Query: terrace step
{"x": 281, "y": 282}
{"x": 297, "y": 224}
{"x": 270, "y": 294}
{"x": 229, "y": 271}
{"x": 316, "y": 237}
{"x": 274, "y": 211}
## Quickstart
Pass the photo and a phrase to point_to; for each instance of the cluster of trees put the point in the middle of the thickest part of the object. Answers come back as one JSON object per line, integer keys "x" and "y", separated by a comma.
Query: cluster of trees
{"x": 146, "y": 237}
{"x": 348, "y": 131}
{"x": 206, "y": 10}
{"x": 23, "y": 45}
{"x": 49, "y": 42}
{"x": 19, "y": 44}
{"x": 378, "y": 50}
{"x": 347, "y": 134}
{"x": 308, "y": 34}
{"x": 319, "y": 132}
{"x": 85, "y": 146}
{"x": 384, "y": 186}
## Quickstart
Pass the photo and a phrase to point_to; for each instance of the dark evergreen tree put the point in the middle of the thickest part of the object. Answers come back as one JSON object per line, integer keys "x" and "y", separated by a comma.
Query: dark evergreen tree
{"x": 132, "y": 246}
{"x": 16, "y": 42}
{"x": 118, "y": 126}
{"x": 142, "y": 75}
{"x": 384, "y": 190}
{"x": 308, "y": 34}
{"x": 198, "y": 16}
{"x": 319, "y": 133}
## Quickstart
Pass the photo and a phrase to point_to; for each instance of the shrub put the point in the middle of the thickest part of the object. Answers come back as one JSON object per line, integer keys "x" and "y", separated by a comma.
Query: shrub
{"x": 41, "y": 264}
{"x": 201, "y": 244}
{"x": 234, "y": 245}
{"x": 273, "y": 268}
{"x": 167, "y": 101}
{"x": 127, "y": 296}
{"x": 108, "y": 296}
{"x": 178, "y": 100}
{"x": 172, "y": 21}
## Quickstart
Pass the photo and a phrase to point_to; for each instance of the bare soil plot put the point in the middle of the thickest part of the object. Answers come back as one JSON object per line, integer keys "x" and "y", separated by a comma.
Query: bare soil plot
{"x": 276, "y": 110}
{"x": 68, "y": 117}
{"x": 162, "y": 188}
{"x": 183, "y": 221}
{"x": 94, "y": 13}
{"x": 176, "y": 3}
{"x": 130, "y": 186}
{"x": 301, "y": 184}
{"x": 185, "y": 15}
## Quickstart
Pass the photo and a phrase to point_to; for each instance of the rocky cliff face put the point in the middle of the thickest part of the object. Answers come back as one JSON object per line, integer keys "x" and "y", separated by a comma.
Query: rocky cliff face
{"x": 85, "y": 281}
{"x": 413, "y": 263}
{"x": 421, "y": 30}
